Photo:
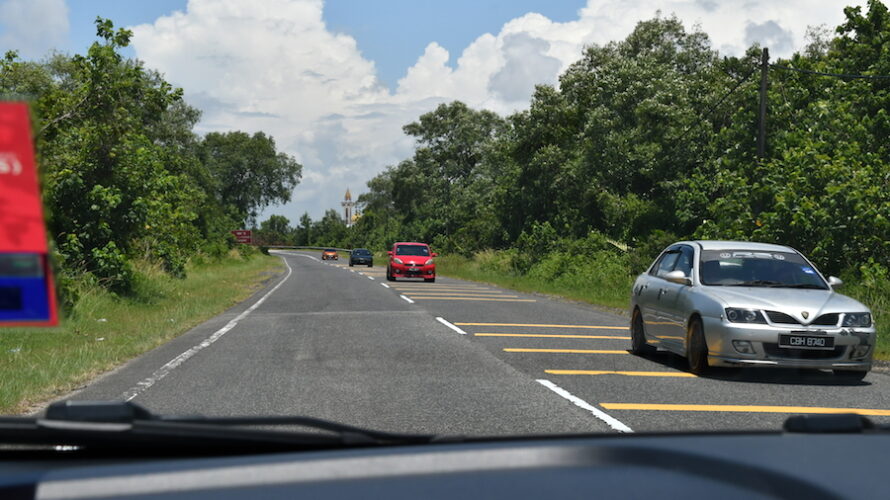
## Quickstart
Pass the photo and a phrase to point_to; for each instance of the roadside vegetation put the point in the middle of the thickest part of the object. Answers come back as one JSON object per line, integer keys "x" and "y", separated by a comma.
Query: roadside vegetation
{"x": 646, "y": 141}
{"x": 139, "y": 208}
{"x": 104, "y": 330}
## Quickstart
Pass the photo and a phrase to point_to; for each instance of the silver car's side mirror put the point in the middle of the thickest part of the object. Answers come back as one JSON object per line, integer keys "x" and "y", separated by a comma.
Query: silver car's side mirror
{"x": 678, "y": 277}
{"x": 834, "y": 282}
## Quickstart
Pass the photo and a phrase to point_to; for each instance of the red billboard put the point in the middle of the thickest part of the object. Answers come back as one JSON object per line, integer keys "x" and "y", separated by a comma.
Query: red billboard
{"x": 243, "y": 236}
{"x": 27, "y": 294}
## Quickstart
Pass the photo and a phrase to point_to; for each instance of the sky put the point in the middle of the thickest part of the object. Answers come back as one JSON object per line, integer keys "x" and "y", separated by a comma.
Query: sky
{"x": 334, "y": 81}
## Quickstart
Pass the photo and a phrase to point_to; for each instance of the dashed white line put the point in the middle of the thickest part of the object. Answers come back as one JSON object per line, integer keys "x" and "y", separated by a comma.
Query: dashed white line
{"x": 384, "y": 285}
{"x": 165, "y": 370}
{"x": 449, "y": 325}
{"x": 611, "y": 421}
{"x": 407, "y": 299}
{"x": 370, "y": 277}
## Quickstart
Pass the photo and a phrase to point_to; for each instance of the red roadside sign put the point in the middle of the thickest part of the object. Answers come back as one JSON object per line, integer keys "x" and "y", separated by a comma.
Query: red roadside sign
{"x": 243, "y": 236}
{"x": 27, "y": 293}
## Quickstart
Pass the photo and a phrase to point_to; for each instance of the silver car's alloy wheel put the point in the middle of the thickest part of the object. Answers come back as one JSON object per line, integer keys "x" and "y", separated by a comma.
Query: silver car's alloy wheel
{"x": 638, "y": 344}
{"x": 696, "y": 348}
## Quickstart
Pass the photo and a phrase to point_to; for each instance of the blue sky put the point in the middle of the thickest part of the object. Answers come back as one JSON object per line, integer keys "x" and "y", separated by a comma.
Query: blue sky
{"x": 334, "y": 81}
{"x": 392, "y": 33}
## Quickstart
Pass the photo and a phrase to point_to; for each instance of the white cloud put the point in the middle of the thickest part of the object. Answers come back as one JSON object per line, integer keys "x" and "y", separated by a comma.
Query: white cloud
{"x": 32, "y": 26}
{"x": 274, "y": 66}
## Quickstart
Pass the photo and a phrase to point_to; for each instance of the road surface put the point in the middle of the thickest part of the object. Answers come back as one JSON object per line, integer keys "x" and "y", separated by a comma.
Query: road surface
{"x": 454, "y": 357}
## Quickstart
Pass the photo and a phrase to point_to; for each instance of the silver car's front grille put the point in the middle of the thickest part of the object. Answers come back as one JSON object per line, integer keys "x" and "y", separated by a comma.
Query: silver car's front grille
{"x": 777, "y": 317}
{"x": 827, "y": 319}
{"x": 774, "y": 351}
{"x": 780, "y": 317}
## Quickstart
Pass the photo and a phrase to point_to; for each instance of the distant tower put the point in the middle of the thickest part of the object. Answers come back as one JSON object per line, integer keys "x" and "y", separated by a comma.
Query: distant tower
{"x": 347, "y": 207}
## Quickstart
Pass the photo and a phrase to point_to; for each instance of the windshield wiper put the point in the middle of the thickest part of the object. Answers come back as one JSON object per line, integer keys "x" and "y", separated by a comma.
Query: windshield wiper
{"x": 127, "y": 426}
{"x": 805, "y": 285}
{"x": 758, "y": 283}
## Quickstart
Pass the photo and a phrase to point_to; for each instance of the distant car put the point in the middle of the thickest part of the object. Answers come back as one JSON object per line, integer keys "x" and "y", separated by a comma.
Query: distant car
{"x": 730, "y": 303}
{"x": 330, "y": 254}
{"x": 361, "y": 256}
{"x": 411, "y": 260}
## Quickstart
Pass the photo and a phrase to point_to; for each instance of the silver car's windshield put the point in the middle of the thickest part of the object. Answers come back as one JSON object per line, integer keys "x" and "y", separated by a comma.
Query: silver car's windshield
{"x": 749, "y": 268}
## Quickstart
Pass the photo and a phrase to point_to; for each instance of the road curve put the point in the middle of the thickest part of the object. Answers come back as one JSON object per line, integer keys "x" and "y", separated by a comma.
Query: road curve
{"x": 342, "y": 343}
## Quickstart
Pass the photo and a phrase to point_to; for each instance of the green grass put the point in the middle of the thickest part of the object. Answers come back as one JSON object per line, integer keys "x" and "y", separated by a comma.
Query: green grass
{"x": 104, "y": 331}
{"x": 594, "y": 281}
{"x": 601, "y": 281}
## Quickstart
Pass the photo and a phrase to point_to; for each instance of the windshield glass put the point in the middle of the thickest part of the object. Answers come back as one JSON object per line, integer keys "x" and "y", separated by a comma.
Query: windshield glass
{"x": 751, "y": 268}
{"x": 417, "y": 250}
{"x": 564, "y": 161}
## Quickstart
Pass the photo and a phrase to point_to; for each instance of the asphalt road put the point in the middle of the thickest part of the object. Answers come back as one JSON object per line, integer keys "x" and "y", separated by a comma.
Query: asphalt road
{"x": 342, "y": 343}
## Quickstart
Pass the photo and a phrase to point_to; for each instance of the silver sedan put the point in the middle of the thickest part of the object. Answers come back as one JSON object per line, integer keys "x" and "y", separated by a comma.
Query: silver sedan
{"x": 731, "y": 303}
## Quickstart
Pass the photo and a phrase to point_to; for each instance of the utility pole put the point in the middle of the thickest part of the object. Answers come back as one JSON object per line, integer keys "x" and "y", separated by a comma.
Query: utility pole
{"x": 764, "y": 82}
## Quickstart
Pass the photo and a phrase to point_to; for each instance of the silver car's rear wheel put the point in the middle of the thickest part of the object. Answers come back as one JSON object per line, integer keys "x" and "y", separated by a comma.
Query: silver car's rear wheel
{"x": 638, "y": 344}
{"x": 696, "y": 348}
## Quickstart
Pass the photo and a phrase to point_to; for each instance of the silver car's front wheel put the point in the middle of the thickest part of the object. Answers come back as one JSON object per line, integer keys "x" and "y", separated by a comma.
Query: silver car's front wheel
{"x": 638, "y": 344}
{"x": 696, "y": 348}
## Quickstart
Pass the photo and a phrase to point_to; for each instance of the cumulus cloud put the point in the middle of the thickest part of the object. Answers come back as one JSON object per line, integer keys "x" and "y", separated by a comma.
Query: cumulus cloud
{"x": 275, "y": 66}
{"x": 32, "y": 26}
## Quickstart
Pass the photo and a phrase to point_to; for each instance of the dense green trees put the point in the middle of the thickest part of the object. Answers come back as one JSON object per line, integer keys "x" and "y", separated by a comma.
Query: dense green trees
{"x": 652, "y": 138}
{"x": 123, "y": 174}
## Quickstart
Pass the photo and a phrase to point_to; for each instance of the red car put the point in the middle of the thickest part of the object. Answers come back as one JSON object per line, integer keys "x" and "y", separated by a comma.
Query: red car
{"x": 411, "y": 260}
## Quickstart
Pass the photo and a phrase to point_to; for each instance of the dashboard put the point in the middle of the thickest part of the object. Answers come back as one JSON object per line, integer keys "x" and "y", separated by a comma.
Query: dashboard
{"x": 724, "y": 466}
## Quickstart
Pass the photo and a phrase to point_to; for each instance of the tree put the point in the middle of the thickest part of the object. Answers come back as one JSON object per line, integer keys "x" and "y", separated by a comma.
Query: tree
{"x": 249, "y": 172}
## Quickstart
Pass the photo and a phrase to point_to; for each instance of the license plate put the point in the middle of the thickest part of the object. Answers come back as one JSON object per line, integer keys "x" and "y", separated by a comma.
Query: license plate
{"x": 806, "y": 342}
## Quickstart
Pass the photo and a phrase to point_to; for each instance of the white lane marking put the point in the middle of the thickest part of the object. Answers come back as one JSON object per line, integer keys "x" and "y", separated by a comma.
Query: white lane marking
{"x": 384, "y": 285}
{"x": 370, "y": 277}
{"x": 449, "y": 325}
{"x": 165, "y": 370}
{"x": 611, "y": 421}
{"x": 407, "y": 299}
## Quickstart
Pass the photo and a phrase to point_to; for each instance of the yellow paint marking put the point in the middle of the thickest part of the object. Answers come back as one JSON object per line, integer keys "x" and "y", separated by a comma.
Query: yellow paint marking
{"x": 744, "y": 408}
{"x": 535, "y": 335}
{"x": 545, "y": 326}
{"x": 675, "y": 337}
{"x": 472, "y": 298}
{"x": 628, "y": 374}
{"x": 565, "y": 351}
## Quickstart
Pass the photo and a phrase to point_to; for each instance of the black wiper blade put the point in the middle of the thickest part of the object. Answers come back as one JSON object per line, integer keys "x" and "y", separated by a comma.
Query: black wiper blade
{"x": 757, "y": 283}
{"x": 805, "y": 285}
{"x": 127, "y": 425}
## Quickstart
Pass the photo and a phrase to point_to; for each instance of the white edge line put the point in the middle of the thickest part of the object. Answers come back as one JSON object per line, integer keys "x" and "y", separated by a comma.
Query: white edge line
{"x": 407, "y": 299}
{"x": 165, "y": 370}
{"x": 611, "y": 421}
{"x": 449, "y": 325}
{"x": 384, "y": 285}
{"x": 370, "y": 277}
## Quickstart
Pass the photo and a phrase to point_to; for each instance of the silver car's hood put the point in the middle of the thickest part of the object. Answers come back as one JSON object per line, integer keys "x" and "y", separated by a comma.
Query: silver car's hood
{"x": 793, "y": 301}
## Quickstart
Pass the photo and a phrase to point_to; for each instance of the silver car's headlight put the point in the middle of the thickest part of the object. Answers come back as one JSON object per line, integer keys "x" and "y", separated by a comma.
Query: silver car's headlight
{"x": 862, "y": 320}
{"x": 736, "y": 315}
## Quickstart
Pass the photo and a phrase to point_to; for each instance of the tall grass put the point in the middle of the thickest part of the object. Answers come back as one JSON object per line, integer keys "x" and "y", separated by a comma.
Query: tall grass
{"x": 105, "y": 330}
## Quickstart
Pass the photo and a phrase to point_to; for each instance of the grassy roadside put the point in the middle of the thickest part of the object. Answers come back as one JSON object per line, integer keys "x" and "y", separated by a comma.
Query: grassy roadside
{"x": 104, "y": 331}
{"x": 607, "y": 286}
{"x": 611, "y": 290}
